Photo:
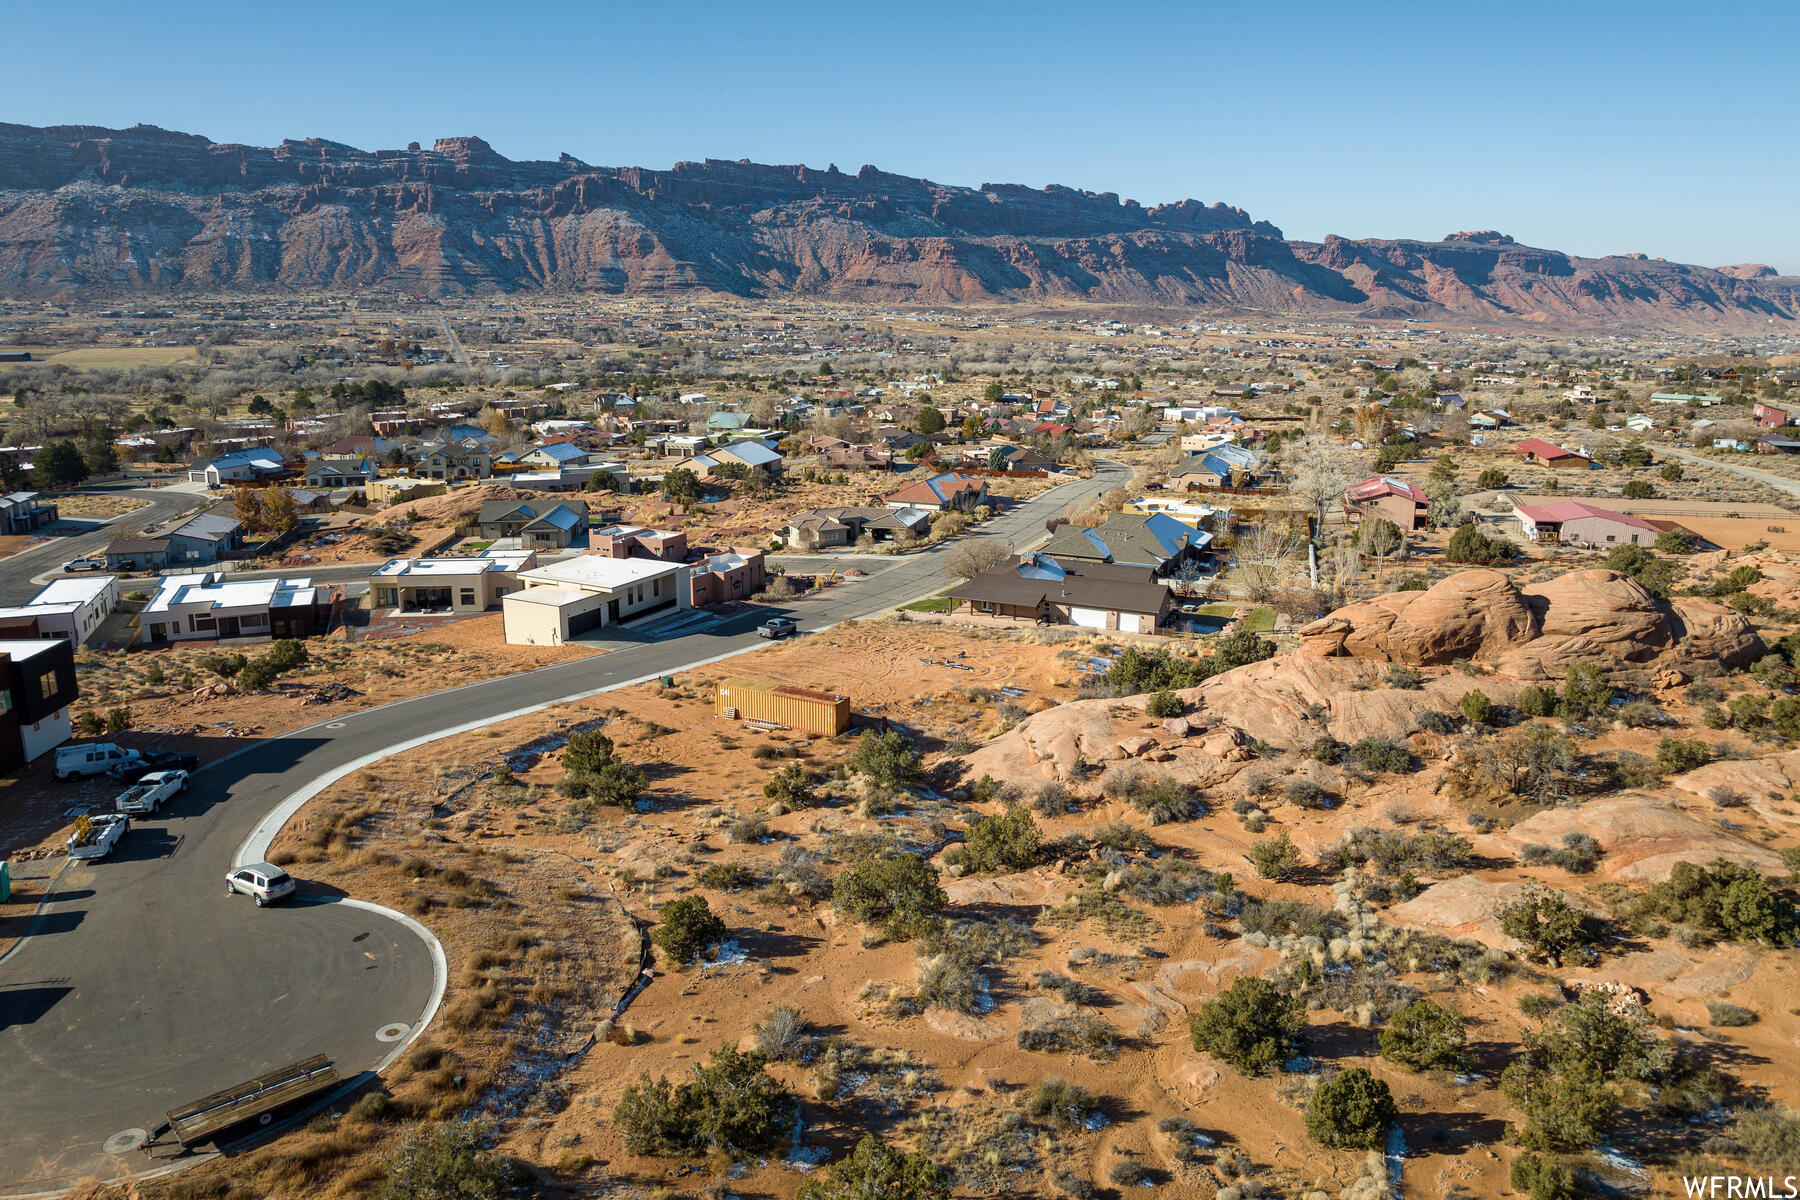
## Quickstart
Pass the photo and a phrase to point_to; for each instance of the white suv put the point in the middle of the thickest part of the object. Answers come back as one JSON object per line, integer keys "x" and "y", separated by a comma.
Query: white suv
{"x": 263, "y": 882}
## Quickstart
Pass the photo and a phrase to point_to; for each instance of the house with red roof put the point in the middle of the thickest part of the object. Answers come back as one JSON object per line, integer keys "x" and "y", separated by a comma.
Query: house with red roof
{"x": 1537, "y": 450}
{"x": 1390, "y": 499}
{"x": 940, "y": 493}
{"x": 1563, "y": 521}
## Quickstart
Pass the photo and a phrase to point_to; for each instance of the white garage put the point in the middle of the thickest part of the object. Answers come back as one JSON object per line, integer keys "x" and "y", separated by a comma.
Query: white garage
{"x": 1088, "y": 618}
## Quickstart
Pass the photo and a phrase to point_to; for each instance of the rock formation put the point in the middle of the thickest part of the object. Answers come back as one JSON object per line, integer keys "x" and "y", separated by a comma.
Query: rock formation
{"x": 92, "y": 210}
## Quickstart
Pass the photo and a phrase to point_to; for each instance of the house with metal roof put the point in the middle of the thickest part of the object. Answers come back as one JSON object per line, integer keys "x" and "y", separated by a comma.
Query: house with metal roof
{"x": 1577, "y": 521}
{"x": 1156, "y": 540}
{"x": 239, "y": 466}
{"x": 1537, "y": 450}
{"x": 1045, "y": 590}
{"x": 1383, "y": 496}
{"x": 546, "y": 524}
{"x": 746, "y": 453}
{"x": 940, "y": 493}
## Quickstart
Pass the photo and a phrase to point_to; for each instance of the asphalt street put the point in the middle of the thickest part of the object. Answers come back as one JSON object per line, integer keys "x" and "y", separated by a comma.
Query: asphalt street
{"x": 73, "y": 537}
{"x": 143, "y": 986}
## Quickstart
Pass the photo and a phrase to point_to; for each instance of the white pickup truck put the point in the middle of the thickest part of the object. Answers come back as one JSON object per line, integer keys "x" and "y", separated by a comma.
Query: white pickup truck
{"x": 150, "y": 791}
{"x": 95, "y": 836}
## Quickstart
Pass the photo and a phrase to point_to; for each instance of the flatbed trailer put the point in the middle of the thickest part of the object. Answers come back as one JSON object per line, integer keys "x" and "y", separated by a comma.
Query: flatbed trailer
{"x": 255, "y": 1100}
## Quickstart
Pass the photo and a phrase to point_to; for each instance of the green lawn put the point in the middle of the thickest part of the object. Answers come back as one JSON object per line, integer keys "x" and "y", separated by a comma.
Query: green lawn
{"x": 931, "y": 604}
{"x": 1258, "y": 620}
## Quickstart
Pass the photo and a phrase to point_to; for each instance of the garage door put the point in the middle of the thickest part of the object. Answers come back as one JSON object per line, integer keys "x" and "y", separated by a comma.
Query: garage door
{"x": 585, "y": 622}
{"x": 1088, "y": 618}
{"x": 1128, "y": 623}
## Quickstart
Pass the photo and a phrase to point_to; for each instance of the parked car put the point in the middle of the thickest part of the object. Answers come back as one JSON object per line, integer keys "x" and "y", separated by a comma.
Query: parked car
{"x": 777, "y": 627}
{"x": 148, "y": 793}
{"x": 93, "y": 758}
{"x": 85, "y": 564}
{"x": 153, "y": 760}
{"x": 264, "y": 883}
{"x": 95, "y": 836}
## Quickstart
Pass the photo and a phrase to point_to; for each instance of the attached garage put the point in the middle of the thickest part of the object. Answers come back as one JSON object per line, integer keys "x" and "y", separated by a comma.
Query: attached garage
{"x": 1128, "y": 623}
{"x": 1088, "y": 618}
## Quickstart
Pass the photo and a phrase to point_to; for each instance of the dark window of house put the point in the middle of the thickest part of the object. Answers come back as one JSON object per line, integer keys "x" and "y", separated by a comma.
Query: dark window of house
{"x": 47, "y": 684}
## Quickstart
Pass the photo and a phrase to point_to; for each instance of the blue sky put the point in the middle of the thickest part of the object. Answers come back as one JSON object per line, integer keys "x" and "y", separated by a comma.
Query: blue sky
{"x": 1586, "y": 125}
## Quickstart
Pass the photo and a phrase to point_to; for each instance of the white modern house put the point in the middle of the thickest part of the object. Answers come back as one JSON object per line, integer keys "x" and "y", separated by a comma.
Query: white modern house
{"x": 454, "y": 583}
{"x": 71, "y": 609}
{"x": 208, "y": 605}
{"x": 564, "y": 600}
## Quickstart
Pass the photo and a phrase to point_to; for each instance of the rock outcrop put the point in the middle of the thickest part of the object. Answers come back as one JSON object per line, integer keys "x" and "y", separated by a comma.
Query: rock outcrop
{"x": 1537, "y": 631}
{"x": 88, "y": 209}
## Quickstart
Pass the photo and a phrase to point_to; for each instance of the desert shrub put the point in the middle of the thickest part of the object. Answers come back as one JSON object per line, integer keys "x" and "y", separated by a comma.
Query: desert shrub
{"x": 1052, "y": 800}
{"x": 1394, "y": 850}
{"x": 1162, "y": 882}
{"x": 1769, "y": 1139}
{"x": 1163, "y": 798}
{"x": 1566, "y": 1109}
{"x": 791, "y": 787}
{"x": 688, "y": 927}
{"x": 1352, "y": 1111}
{"x": 1280, "y": 918}
{"x": 1586, "y": 693}
{"x": 876, "y": 1170}
{"x": 1542, "y": 1177}
{"x": 448, "y": 1160}
{"x": 980, "y": 941}
{"x": 950, "y": 982}
{"x": 1303, "y": 793}
{"x": 1164, "y": 704}
{"x": 1723, "y": 900}
{"x": 887, "y": 760}
{"x": 1406, "y": 678}
{"x": 731, "y": 1105}
{"x": 1639, "y": 714}
{"x": 782, "y": 1036}
{"x": 1727, "y": 1015}
{"x": 1127, "y": 839}
{"x": 1072, "y": 991}
{"x": 727, "y": 877}
{"x": 1005, "y": 842}
{"x": 1617, "y": 1041}
{"x": 1638, "y": 489}
{"x": 1087, "y": 1035}
{"x": 1327, "y": 749}
{"x": 1470, "y": 545}
{"x": 1136, "y": 671}
{"x": 1748, "y": 710}
{"x": 1739, "y": 579}
{"x": 1061, "y": 1101}
{"x": 1490, "y": 479}
{"x": 1536, "y": 701}
{"x": 901, "y": 890}
{"x": 1477, "y": 707}
{"x": 1545, "y": 921}
{"x": 1381, "y": 754}
{"x": 1249, "y": 1025}
{"x": 1128, "y": 1172}
{"x": 1276, "y": 857}
{"x": 1425, "y": 1035}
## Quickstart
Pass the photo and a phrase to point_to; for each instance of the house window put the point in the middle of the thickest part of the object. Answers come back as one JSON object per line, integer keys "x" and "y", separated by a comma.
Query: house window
{"x": 467, "y": 595}
{"x": 198, "y": 621}
{"x": 255, "y": 620}
{"x": 47, "y": 684}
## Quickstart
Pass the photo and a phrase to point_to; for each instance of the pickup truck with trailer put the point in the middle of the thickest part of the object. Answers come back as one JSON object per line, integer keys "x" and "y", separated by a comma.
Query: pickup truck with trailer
{"x": 95, "y": 837}
{"x": 92, "y": 758}
{"x": 147, "y": 795}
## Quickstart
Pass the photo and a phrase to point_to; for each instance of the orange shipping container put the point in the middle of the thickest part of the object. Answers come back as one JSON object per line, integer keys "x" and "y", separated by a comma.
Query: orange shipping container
{"x": 823, "y": 714}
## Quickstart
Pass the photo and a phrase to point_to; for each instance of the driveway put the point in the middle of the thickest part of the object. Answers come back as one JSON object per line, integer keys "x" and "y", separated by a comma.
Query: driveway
{"x": 1780, "y": 483}
{"x": 143, "y": 986}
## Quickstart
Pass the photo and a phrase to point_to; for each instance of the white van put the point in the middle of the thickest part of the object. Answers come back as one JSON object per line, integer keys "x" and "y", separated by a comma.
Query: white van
{"x": 91, "y": 758}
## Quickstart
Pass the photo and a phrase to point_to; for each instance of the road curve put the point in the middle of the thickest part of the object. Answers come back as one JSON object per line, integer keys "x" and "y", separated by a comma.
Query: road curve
{"x": 73, "y": 537}
{"x": 143, "y": 986}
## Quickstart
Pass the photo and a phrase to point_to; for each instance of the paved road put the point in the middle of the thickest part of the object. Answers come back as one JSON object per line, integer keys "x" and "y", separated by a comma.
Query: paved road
{"x": 144, "y": 986}
{"x": 456, "y": 347}
{"x": 1779, "y": 482}
{"x": 73, "y": 537}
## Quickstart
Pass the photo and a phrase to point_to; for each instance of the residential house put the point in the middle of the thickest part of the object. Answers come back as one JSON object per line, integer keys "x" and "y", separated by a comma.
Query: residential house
{"x": 858, "y": 458}
{"x": 725, "y": 577}
{"x": 399, "y": 489}
{"x": 23, "y": 512}
{"x": 636, "y": 541}
{"x": 454, "y": 583}
{"x": 37, "y": 686}
{"x": 239, "y": 466}
{"x": 749, "y": 453}
{"x": 1191, "y": 515}
{"x": 1048, "y": 591}
{"x": 1157, "y": 541}
{"x": 341, "y": 472}
{"x": 71, "y": 608}
{"x": 819, "y": 528}
{"x": 1577, "y": 521}
{"x": 1536, "y": 450}
{"x": 940, "y": 493}
{"x": 538, "y": 524}
{"x": 1771, "y": 415}
{"x": 211, "y": 605}
{"x": 1405, "y": 504}
{"x": 555, "y": 456}
{"x": 1775, "y": 443}
{"x": 564, "y": 600}
{"x": 452, "y": 461}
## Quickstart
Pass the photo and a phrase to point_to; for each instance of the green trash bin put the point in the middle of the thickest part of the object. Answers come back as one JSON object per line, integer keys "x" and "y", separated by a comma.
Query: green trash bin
{"x": 5, "y": 881}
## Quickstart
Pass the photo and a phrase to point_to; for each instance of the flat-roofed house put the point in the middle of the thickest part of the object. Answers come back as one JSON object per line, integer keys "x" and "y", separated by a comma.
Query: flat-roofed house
{"x": 211, "y": 605}
{"x": 72, "y": 608}
{"x": 37, "y": 686}
{"x": 451, "y": 583}
{"x": 564, "y": 600}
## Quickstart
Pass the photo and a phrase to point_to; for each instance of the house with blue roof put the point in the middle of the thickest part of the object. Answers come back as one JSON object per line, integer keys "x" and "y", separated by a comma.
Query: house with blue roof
{"x": 239, "y": 466}
{"x": 1157, "y": 541}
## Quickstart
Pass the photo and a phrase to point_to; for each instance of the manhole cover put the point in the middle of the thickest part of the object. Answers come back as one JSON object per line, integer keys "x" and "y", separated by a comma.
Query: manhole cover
{"x": 125, "y": 1141}
{"x": 335, "y": 724}
{"x": 392, "y": 1033}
